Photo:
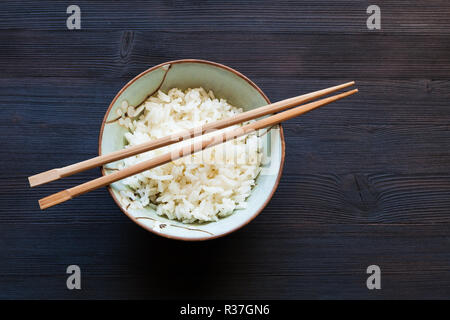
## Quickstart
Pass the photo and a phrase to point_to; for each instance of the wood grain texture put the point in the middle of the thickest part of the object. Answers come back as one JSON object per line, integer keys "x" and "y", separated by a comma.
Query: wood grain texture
{"x": 366, "y": 180}
{"x": 286, "y": 16}
{"x": 101, "y": 54}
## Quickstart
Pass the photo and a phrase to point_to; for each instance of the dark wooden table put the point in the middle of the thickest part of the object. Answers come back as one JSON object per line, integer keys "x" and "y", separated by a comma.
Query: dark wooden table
{"x": 366, "y": 180}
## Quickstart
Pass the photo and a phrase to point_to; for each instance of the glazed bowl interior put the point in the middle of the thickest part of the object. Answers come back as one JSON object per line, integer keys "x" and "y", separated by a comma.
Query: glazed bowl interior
{"x": 225, "y": 83}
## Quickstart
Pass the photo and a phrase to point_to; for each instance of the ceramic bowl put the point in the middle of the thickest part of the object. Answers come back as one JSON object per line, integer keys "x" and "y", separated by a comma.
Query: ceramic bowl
{"x": 226, "y": 83}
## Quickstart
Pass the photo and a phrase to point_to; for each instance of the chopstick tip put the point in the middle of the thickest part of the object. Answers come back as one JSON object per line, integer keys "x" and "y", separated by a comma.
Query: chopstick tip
{"x": 350, "y": 83}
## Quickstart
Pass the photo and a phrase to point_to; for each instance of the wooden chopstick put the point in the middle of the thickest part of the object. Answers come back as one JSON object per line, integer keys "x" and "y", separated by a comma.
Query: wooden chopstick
{"x": 59, "y": 173}
{"x": 68, "y": 194}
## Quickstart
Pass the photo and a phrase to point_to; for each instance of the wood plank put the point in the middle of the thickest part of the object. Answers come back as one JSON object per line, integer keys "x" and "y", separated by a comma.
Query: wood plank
{"x": 101, "y": 54}
{"x": 379, "y": 102}
{"x": 314, "y": 198}
{"x": 304, "y": 261}
{"x": 320, "y": 16}
{"x": 403, "y": 130}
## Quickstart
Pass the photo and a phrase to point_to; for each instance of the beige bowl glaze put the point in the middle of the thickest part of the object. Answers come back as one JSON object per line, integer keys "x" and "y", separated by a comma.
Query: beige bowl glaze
{"x": 225, "y": 83}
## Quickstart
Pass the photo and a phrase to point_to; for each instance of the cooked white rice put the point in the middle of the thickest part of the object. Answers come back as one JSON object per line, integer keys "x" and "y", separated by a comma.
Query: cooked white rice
{"x": 201, "y": 187}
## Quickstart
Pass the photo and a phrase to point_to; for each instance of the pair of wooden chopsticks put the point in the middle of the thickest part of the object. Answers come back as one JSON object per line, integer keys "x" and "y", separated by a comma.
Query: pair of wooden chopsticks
{"x": 68, "y": 194}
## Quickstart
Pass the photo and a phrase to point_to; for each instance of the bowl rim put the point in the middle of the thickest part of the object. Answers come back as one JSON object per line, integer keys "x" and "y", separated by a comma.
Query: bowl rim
{"x": 200, "y": 61}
